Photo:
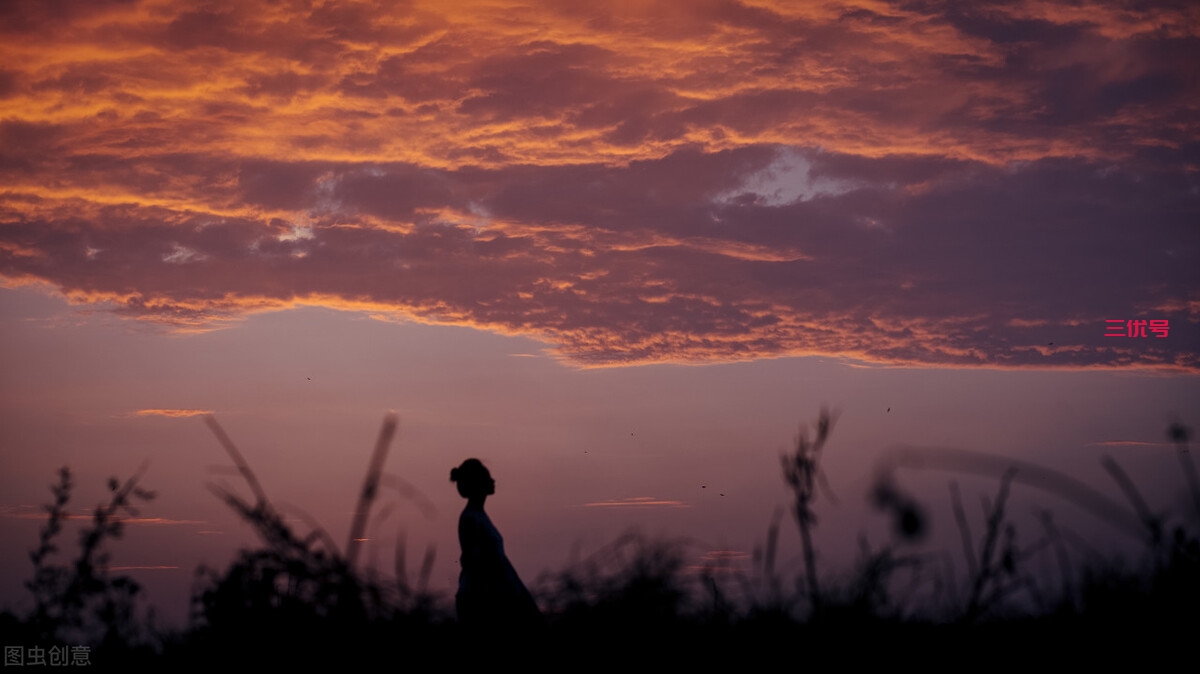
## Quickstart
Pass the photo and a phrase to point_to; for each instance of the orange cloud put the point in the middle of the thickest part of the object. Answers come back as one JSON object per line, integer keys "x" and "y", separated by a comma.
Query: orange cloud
{"x": 26, "y": 512}
{"x": 171, "y": 413}
{"x": 630, "y": 183}
{"x": 720, "y": 561}
{"x": 638, "y": 502}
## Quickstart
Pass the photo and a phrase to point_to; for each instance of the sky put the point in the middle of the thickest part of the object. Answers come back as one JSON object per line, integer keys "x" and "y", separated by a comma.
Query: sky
{"x": 620, "y": 251}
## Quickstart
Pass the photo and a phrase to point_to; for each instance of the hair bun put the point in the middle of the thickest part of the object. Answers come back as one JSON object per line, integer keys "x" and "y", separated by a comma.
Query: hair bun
{"x": 454, "y": 475}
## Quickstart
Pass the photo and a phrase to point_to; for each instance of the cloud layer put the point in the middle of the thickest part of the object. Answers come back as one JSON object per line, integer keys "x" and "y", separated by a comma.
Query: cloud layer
{"x": 905, "y": 183}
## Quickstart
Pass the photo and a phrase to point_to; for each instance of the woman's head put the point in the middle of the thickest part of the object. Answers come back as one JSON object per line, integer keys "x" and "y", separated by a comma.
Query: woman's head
{"x": 473, "y": 479}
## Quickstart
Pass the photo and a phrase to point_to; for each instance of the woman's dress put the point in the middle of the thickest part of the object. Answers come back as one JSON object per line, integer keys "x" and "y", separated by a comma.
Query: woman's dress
{"x": 490, "y": 592}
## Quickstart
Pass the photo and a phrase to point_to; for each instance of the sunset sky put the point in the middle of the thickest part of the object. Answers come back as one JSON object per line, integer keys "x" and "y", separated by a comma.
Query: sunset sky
{"x": 617, "y": 250}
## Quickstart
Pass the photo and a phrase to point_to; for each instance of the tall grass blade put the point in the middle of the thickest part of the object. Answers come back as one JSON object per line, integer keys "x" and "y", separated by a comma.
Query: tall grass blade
{"x": 370, "y": 487}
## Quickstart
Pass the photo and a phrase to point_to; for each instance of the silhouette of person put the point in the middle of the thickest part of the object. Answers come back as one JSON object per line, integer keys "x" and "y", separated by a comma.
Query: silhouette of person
{"x": 490, "y": 593}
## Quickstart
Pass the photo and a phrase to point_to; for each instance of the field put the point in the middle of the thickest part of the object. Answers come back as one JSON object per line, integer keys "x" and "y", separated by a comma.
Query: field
{"x": 301, "y": 599}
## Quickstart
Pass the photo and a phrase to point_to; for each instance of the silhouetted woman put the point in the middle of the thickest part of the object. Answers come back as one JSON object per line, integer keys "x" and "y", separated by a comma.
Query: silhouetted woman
{"x": 490, "y": 594}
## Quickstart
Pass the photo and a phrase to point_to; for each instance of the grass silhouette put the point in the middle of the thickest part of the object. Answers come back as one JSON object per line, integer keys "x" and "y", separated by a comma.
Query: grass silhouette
{"x": 81, "y": 602}
{"x": 301, "y": 600}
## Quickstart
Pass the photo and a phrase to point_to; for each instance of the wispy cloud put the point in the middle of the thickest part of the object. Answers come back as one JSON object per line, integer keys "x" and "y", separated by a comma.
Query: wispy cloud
{"x": 154, "y": 521}
{"x": 910, "y": 184}
{"x": 720, "y": 561}
{"x": 31, "y": 512}
{"x": 171, "y": 413}
{"x": 638, "y": 502}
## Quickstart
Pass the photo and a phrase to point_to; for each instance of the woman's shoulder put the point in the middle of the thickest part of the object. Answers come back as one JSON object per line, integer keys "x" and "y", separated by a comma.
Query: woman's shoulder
{"x": 473, "y": 518}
